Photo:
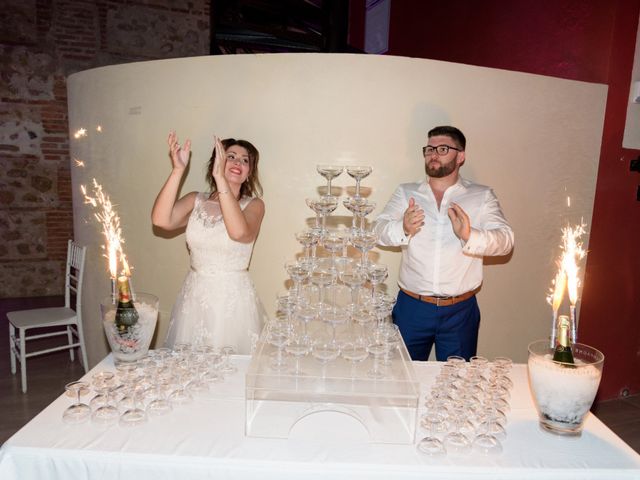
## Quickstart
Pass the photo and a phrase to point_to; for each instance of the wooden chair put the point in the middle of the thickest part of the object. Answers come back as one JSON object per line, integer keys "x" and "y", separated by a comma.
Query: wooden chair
{"x": 70, "y": 319}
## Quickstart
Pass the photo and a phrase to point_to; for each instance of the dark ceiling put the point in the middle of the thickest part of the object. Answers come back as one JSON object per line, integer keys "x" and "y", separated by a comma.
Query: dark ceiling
{"x": 262, "y": 26}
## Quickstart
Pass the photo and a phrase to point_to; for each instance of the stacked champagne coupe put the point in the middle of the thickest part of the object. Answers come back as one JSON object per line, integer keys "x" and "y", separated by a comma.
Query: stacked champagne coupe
{"x": 335, "y": 316}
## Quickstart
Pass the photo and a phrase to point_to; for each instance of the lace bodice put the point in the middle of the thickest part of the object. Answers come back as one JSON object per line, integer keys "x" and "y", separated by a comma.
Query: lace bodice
{"x": 211, "y": 249}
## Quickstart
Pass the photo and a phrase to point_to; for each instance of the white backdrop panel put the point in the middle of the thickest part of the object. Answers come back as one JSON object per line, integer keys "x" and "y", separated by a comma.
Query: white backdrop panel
{"x": 534, "y": 139}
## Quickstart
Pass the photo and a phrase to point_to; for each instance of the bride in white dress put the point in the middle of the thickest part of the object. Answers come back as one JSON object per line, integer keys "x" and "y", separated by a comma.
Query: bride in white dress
{"x": 218, "y": 304}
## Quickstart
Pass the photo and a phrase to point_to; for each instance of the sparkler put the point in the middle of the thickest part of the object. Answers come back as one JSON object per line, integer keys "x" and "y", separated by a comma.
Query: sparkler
{"x": 560, "y": 283}
{"x": 110, "y": 223}
{"x": 573, "y": 254}
{"x": 81, "y": 132}
{"x": 567, "y": 277}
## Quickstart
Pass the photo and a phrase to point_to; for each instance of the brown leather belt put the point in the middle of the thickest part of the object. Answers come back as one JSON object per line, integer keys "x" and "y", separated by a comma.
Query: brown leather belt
{"x": 442, "y": 301}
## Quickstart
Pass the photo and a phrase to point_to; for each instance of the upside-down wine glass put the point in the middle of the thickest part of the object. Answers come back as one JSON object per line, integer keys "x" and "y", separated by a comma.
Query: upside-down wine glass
{"x": 329, "y": 172}
{"x": 457, "y": 440}
{"x": 78, "y": 412}
{"x": 358, "y": 172}
{"x": 198, "y": 364}
{"x": 431, "y": 445}
{"x": 179, "y": 395}
{"x": 132, "y": 413}
{"x": 214, "y": 360}
{"x": 492, "y": 422}
{"x": 159, "y": 403}
{"x": 107, "y": 414}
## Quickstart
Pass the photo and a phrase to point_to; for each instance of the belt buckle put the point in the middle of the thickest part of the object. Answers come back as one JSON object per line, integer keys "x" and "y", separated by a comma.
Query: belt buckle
{"x": 446, "y": 301}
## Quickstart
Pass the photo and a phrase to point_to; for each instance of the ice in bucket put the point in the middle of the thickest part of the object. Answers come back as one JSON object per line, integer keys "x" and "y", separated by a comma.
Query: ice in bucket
{"x": 134, "y": 344}
{"x": 563, "y": 393}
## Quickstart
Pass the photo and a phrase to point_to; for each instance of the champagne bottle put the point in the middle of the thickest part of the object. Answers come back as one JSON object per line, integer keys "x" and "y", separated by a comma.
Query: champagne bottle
{"x": 126, "y": 313}
{"x": 563, "y": 351}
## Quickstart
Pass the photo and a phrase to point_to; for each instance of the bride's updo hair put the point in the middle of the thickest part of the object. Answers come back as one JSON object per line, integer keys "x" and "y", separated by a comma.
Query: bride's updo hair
{"x": 251, "y": 186}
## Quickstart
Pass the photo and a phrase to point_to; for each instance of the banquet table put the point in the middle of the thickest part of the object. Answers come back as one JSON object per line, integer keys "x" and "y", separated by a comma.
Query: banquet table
{"x": 206, "y": 440}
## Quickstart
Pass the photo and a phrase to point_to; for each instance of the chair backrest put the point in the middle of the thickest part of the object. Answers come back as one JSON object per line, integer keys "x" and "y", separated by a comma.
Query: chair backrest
{"x": 74, "y": 275}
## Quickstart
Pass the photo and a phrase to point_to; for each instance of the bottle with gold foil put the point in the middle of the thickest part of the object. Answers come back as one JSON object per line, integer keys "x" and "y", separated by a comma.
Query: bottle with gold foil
{"x": 563, "y": 351}
{"x": 126, "y": 313}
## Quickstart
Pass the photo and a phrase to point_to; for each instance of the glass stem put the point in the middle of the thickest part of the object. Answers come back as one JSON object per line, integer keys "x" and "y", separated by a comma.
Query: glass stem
{"x": 333, "y": 299}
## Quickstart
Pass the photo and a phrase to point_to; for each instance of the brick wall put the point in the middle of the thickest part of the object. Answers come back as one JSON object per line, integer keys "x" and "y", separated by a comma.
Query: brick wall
{"x": 41, "y": 43}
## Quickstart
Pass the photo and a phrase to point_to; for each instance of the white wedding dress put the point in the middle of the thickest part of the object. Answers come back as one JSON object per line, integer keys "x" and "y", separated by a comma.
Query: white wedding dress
{"x": 218, "y": 304}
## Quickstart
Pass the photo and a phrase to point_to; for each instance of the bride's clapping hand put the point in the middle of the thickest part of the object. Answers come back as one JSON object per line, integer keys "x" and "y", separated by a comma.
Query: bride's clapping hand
{"x": 220, "y": 161}
{"x": 179, "y": 155}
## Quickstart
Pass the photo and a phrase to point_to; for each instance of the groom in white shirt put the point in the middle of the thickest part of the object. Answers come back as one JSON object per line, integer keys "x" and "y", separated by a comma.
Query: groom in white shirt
{"x": 444, "y": 226}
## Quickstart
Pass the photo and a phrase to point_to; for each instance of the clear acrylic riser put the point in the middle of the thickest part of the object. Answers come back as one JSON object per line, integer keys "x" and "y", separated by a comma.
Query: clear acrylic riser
{"x": 385, "y": 407}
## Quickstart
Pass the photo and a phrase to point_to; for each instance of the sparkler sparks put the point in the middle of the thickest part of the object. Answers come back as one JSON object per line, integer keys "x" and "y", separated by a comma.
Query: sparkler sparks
{"x": 567, "y": 276}
{"x": 81, "y": 132}
{"x": 110, "y": 223}
{"x": 79, "y": 163}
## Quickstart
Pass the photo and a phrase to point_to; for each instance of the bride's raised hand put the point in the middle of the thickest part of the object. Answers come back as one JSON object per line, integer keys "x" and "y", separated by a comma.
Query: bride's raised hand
{"x": 219, "y": 161}
{"x": 179, "y": 155}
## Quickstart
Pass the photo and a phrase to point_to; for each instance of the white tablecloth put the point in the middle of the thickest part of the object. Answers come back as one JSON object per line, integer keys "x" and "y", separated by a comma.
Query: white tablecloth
{"x": 206, "y": 440}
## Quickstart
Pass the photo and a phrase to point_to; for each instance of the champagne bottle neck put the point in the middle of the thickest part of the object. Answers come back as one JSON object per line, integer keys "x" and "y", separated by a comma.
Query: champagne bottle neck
{"x": 124, "y": 291}
{"x": 563, "y": 331}
{"x": 563, "y": 351}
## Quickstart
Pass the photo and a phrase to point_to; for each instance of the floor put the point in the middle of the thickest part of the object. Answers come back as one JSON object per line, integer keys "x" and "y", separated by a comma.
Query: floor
{"x": 48, "y": 374}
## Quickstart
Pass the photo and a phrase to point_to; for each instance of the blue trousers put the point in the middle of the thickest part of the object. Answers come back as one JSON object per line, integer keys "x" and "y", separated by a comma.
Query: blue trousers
{"x": 453, "y": 329}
